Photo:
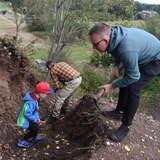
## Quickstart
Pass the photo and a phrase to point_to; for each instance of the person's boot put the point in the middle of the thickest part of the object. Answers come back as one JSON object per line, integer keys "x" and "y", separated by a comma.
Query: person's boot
{"x": 23, "y": 144}
{"x": 120, "y": 133}
{"x": 38, "y": 138}
{"x": 115, "y": 114}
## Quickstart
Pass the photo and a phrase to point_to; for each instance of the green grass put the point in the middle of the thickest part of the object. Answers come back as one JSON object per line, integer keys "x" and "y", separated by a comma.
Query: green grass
{"x": 78, "y": 52}
{"x": 4, "y": 6}
{"x": 41, "y": 53}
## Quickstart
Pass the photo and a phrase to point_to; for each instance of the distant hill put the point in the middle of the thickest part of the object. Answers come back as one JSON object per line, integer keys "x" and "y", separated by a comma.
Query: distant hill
{"x": 147, "y": 7}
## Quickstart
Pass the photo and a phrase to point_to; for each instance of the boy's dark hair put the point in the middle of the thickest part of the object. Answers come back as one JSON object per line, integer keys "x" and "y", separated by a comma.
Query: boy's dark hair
{"x": 98, "y": 28}
{"x": 48, "y": 63}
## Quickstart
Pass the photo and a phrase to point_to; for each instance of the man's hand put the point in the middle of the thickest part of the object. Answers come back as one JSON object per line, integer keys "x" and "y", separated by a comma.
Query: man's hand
{"x": 107, "y": 87}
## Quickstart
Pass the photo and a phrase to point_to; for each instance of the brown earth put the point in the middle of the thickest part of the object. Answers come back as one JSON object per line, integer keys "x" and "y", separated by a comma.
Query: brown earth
{"x": 81, "y": 135}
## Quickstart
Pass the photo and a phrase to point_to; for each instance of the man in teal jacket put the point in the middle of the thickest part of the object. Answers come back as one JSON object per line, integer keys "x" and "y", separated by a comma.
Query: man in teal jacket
{"x": 138, "y": 52}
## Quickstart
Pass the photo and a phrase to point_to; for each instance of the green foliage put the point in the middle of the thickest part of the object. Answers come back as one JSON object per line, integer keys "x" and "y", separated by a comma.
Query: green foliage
{"x": 4, "y": 6}
{"x": 128, "y": 23}
{"x": 36, "y": 53}
{"x": 152, "y": 25}
{"x": 104, "y": 10}
{"x": 120, "y": 9}
{"x": 41, "y": 15}
{"x": 101, "y": 60}
{"x": 153, "y": 87}
{"x": 92, "y": 78}
{"x": 150, "y": 96}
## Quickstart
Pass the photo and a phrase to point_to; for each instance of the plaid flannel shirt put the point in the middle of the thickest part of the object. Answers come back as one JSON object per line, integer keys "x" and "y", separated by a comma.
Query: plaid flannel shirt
{"x": 61, "y": 72}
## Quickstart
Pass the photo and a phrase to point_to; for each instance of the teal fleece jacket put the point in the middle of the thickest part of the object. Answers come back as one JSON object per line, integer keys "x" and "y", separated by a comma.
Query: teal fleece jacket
{"x": 132, "y": 47}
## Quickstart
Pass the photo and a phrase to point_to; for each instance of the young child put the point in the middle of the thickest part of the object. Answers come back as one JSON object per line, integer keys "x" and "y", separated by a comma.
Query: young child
{"x": 28, "y": 117}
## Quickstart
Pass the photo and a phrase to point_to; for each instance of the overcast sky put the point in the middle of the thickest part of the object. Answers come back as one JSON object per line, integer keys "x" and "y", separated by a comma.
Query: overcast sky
{"x": 149, "y": 1}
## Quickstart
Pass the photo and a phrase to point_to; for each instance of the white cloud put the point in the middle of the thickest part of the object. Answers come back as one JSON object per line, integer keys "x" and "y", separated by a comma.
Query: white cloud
{"x": 149, "y": 1}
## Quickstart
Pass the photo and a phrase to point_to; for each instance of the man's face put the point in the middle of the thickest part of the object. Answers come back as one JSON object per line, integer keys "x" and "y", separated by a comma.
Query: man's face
{"x": 100, "y": 41}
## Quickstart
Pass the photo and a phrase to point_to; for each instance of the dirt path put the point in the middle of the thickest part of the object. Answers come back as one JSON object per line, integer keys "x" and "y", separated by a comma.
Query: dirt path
{"x": 9, "y": 28}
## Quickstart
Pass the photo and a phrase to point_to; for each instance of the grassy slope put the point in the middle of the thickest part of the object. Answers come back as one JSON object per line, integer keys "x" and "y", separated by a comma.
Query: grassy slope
{"x": 4, "y": 6}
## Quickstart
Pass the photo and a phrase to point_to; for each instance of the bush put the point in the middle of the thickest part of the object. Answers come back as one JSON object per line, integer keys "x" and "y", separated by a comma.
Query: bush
{"x": 103, "y": 60}
{"x": 128, "y": 23}
{"x": 92, "y": 78}
{"x": 152, "y": 25}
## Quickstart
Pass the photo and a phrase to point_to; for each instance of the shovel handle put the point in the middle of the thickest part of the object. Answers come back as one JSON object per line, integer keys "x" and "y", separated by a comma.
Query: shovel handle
{"x": 100, "y": 93}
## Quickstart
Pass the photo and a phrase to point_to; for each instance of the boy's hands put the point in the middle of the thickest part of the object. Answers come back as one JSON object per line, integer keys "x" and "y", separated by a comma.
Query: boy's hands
{"x": 40, "y": 122}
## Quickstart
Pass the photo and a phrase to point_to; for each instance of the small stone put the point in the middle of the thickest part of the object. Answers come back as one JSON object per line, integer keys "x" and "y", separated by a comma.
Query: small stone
{"x": 57, "y": 135}
{"x": 126, "y": 147}
{"x": 47, "y": 154}
{"x": 108, "y": 143}
{"x": 150, "y": 137}
{"x": 143, "y": 140}
{"x": 57, "y": 147}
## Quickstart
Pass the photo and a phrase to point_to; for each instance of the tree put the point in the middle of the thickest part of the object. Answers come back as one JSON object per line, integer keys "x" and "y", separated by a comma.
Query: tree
{"x": 121, "y": 9}
{"x": 18, "y": 10}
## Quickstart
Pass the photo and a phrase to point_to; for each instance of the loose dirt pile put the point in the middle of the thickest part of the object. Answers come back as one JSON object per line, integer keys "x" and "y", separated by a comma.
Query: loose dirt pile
{"x": 86, "y": 124}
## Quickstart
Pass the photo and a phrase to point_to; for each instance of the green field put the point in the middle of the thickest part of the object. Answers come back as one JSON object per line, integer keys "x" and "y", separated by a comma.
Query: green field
{"x": 78, "y": 52}
{"x": 4, "y": 6}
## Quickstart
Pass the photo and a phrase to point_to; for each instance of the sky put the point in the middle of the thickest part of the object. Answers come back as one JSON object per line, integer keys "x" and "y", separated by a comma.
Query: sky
{"x": 149, "y": 1}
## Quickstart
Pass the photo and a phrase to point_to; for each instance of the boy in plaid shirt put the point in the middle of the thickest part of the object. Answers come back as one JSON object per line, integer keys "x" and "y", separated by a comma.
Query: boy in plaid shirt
{"x": 69, "y": 78}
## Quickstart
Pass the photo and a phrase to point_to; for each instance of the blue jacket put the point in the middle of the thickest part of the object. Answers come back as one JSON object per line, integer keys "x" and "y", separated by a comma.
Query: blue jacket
{"x": 132, "y": 47}
{"x": 28, "y": 112}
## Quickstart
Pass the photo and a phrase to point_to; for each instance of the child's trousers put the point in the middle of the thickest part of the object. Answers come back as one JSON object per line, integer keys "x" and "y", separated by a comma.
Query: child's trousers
{"x": 32, "y": 130}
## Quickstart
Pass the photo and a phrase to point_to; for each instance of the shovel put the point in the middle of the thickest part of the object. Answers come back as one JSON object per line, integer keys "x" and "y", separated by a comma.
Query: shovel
{"x": 97, "y": 98}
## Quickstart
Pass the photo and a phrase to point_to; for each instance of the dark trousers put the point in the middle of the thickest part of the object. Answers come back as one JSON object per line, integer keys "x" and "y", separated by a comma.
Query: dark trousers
{"x": 129, "y": 96}
{"x": 32, "y": 131}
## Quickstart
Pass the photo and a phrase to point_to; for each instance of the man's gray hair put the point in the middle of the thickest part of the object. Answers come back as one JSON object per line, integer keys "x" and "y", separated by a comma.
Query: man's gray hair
{"x": 99, "y": 28}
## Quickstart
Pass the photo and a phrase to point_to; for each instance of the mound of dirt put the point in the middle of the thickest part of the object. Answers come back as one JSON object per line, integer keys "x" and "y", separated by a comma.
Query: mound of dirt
{"x": 86, "y": 124}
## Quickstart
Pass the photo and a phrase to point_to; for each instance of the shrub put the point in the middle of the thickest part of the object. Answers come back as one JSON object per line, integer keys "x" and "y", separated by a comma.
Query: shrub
{"x": 103, "y": 60}
{"x": 92, "y": 78}
{"x": 152, "y": 25}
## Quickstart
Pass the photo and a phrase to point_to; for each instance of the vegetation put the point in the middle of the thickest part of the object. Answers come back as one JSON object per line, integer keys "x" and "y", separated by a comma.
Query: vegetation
{"x": 140, "y": 7}
{"x": 152, "y": 25}
{"x": 4, "y": 6}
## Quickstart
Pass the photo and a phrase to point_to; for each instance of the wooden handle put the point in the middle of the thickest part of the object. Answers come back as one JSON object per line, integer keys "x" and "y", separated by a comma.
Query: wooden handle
{"x": 100, "y": 93}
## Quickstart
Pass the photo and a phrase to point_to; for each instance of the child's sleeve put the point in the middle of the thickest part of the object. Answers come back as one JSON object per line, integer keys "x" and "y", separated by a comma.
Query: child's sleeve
{"x": 31, "y": 112}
